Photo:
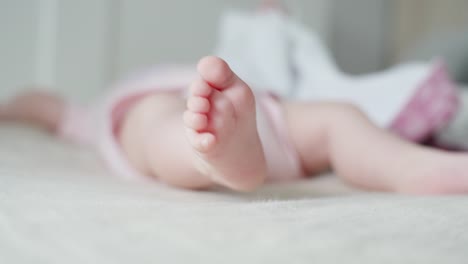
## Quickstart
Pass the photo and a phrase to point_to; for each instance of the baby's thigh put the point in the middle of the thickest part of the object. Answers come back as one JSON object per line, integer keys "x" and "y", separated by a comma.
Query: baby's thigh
{"x": 153, "y": 138}
{"x": 145, "y": 122}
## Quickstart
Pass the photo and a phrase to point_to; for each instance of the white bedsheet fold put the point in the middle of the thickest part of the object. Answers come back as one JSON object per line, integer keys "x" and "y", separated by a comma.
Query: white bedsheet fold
{"x": 58, "y": 205}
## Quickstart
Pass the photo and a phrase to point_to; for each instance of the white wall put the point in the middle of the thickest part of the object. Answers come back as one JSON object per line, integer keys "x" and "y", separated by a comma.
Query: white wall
{"x": 18, "y": 37}
{"x": 180, "y": 31}
{"x": 79, "y": 47}
{"x": 61, "y": 45}
{"x": 85, "y": 49}
{"x": 360, "y": 31}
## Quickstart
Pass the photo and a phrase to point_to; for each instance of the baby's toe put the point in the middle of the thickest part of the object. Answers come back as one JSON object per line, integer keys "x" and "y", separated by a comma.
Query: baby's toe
{"x": 216, "y": 72}
{"x": 200, "y": 88}
{"x": 201, "y": 142}
{"x": 198, "y": 104}
{"x": 195, "y": 121}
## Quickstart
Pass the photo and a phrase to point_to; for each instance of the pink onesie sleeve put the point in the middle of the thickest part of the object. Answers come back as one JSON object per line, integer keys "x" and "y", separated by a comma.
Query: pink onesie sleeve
{"x": 77, "y": 125}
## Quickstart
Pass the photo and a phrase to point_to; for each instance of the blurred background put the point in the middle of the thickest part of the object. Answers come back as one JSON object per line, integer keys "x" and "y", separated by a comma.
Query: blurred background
{"x": 79, "y": 47}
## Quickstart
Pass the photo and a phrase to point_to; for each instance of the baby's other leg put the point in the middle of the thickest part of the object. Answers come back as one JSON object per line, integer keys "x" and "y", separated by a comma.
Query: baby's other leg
{"x": 37, "y": 108}
{"x": 221, "y": 127}
{"x": 340, "y": 136}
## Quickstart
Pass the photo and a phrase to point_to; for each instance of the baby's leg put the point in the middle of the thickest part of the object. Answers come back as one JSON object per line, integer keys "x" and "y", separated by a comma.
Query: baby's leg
{"x": 340, "y": 136}
{"x": 221, "y": 127}
{"x": 217, "y": 141}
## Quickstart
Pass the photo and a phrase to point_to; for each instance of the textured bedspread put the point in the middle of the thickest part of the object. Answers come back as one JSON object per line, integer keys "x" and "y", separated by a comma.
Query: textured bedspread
{"x": 59, "y": 205}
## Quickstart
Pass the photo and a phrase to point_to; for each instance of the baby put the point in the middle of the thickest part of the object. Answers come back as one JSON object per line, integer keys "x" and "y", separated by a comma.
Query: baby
{"x": 236, "y": 138}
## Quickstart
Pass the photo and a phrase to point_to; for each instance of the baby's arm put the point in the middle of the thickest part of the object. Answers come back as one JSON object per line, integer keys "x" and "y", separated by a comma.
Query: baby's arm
{"x": 37, "y": 108}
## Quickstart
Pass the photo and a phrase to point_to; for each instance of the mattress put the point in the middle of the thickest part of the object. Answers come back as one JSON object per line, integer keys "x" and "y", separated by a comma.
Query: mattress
{"x": 58, "y": 204}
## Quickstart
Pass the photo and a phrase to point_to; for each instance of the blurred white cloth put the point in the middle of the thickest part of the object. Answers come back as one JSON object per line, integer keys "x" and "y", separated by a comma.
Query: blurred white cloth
{"x": 271, "y": 51}
{"x": 455, "y": 135}
{"x": 257, "y": 47}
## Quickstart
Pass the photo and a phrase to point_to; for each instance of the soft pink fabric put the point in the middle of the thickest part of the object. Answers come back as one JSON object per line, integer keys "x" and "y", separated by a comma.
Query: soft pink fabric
{"x": 432, "y": 107}
{"x": 281, "y": 155}
{"x": 100, "y": 125}
{"x": 77, "y": 125}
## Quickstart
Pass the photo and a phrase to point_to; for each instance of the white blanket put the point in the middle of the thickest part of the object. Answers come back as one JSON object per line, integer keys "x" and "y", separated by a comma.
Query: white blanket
{"x": 59, "y": 205}
{"x": 272, "y": 51}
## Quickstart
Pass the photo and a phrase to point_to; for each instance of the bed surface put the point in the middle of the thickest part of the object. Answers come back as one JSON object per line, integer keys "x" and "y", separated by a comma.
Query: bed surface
{"x": 59, "y": 205}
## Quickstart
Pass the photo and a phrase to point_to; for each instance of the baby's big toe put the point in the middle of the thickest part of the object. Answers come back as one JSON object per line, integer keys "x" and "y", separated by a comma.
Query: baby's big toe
{"x": 216, "y": 72}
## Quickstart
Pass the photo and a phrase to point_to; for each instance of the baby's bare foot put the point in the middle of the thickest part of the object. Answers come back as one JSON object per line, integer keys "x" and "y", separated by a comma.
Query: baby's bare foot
{"x": 221, "y": 127}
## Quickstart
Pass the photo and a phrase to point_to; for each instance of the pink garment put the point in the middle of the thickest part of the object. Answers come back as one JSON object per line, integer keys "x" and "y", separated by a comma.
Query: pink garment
{"x": 98, "y": 126}
{"x": 431, "y": 108}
